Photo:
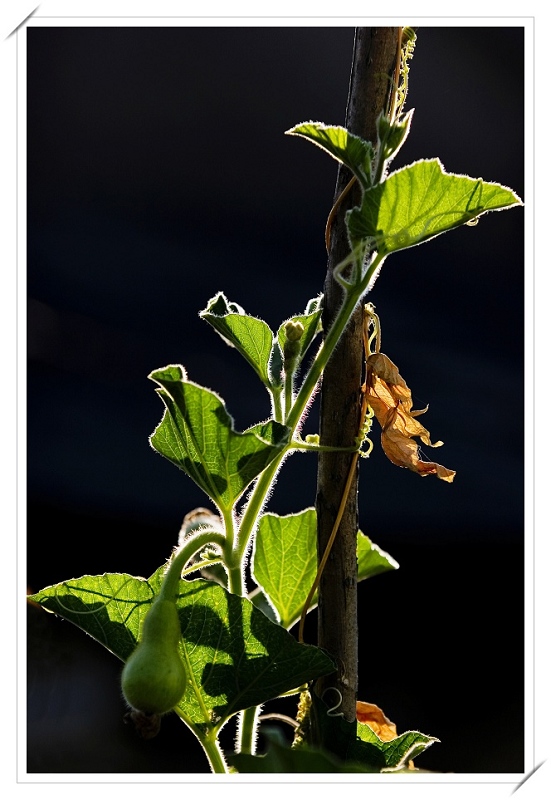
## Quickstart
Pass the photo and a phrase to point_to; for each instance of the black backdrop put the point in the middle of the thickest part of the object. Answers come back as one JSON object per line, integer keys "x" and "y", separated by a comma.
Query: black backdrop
{"x": 158, "y": 174}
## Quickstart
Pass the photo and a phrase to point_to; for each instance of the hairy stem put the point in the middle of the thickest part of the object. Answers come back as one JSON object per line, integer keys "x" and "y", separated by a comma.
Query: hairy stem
{"x": 248, "y": 723}
{"x": 294, "y": 412}
{"x": 211, "y": 746}
{"x": 197, "y": 541}
{"x": 265, "y": 480}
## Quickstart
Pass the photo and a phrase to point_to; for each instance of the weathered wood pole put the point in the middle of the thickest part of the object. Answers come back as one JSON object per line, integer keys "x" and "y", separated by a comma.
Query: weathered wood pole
{"x": 373, "y": 65}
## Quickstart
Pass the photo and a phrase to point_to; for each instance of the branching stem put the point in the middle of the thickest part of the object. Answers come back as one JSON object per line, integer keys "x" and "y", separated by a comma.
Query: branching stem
{"x": 265, "y": 480}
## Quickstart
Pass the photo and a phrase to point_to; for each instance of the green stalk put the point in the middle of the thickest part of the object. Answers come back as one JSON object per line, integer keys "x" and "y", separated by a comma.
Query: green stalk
{"x": 211, "y": 746}
{"x": 171, "y": 582}
{"x": 353, "y": 295}
{"x": 256, "y": 502}
{"x": 278, "y": 411}
{"x": 236, "y": 580}
{"x": 264, "y": 481}
{"x": 214, "y": 753}
{"x": 229, "y": 529}
{"x": 196, "y": 542}
{"x": 288, "y": 392}
{"x": 351, "y": 300}
{"x": 247, "y": 730}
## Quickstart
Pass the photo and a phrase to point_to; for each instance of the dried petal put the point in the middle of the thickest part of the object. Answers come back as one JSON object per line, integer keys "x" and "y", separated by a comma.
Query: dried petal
{"x": 374, "y": 717}
{"x": 390, "y": 399}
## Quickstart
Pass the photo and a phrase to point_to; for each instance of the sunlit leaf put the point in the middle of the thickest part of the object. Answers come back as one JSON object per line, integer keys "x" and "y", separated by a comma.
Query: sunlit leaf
{"x": 252, "y": 337}
{"x": 284, "y": 561}
{"x": 351, "y": 150}
{"x": 371, "y": 559}
{"x": 196, "y": 433}
{"x": 236, "y": 658}
{"x": 312, "y": 326}
{"x": 421, "y": 201}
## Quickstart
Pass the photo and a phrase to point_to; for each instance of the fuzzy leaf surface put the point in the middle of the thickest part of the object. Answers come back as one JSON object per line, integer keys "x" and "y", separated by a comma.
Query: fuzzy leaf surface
{"x": 251, "y": 336}
{"x": 285, "y": 563}
{"x": 421, "y": 201}
{"x": 196, "y": 434}
{"x": 397, "y": 752}
{"x": 236, "y": 657}
{"x": 312, "y": 326}
{"x": 351, "y": 150}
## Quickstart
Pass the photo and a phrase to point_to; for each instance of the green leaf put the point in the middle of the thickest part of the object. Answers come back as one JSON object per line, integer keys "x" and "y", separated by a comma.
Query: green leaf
{"x": 397, "y": 752}
{"x": 312, "y": 326}
{"x": 271, "y": 432}
{"x": 311, "y": 322}
{"x": 109, "y": 607}
{"x": 280, "y": 757}
{"x": 357, "y": 743}
{"x": 196, "y": 433}
{"x": 371, "y": 559}
{"x": 340, "y": 736}
{"x": 351, "y": 150}
{"x": 252, "y": 337}
{"x": 259, "y": 600}
{"x": 392, "y": 135}
{"x": 284, "y": 561}
{"x": 236, "y": 657}
{"x": 421, "y": 201}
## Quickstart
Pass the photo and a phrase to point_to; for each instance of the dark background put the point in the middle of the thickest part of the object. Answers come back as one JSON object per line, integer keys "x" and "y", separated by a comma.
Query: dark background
{"x": 158, "y": 174}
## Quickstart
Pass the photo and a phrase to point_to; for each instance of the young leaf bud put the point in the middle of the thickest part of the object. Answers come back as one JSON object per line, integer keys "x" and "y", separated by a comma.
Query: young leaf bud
{"x": 293, "y": 330}
{"x": 291, "y": 347}
{"x": 391, "y": 136}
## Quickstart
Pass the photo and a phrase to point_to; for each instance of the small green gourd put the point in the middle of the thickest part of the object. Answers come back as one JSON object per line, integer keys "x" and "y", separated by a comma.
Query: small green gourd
{"x": 154, "y": 678}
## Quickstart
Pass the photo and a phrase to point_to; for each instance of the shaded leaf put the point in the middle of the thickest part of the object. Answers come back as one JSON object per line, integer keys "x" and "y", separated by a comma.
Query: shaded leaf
{"x": 270, "y": 432}
{"x": 397, "y": 752}
{"x": 341, "y": 737}
{"x": 421, "y": 201}
{"x": 196, "y": 433}
{"x": 351, "y": 150}
{"x": 358, "y": 743}
{"x": 236, "y": 658}
{"x": 390, "y": 399}
{"x": 284, "y": 561}
{"x": 252, "y": 337}
{"x": 281, "y": 758}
